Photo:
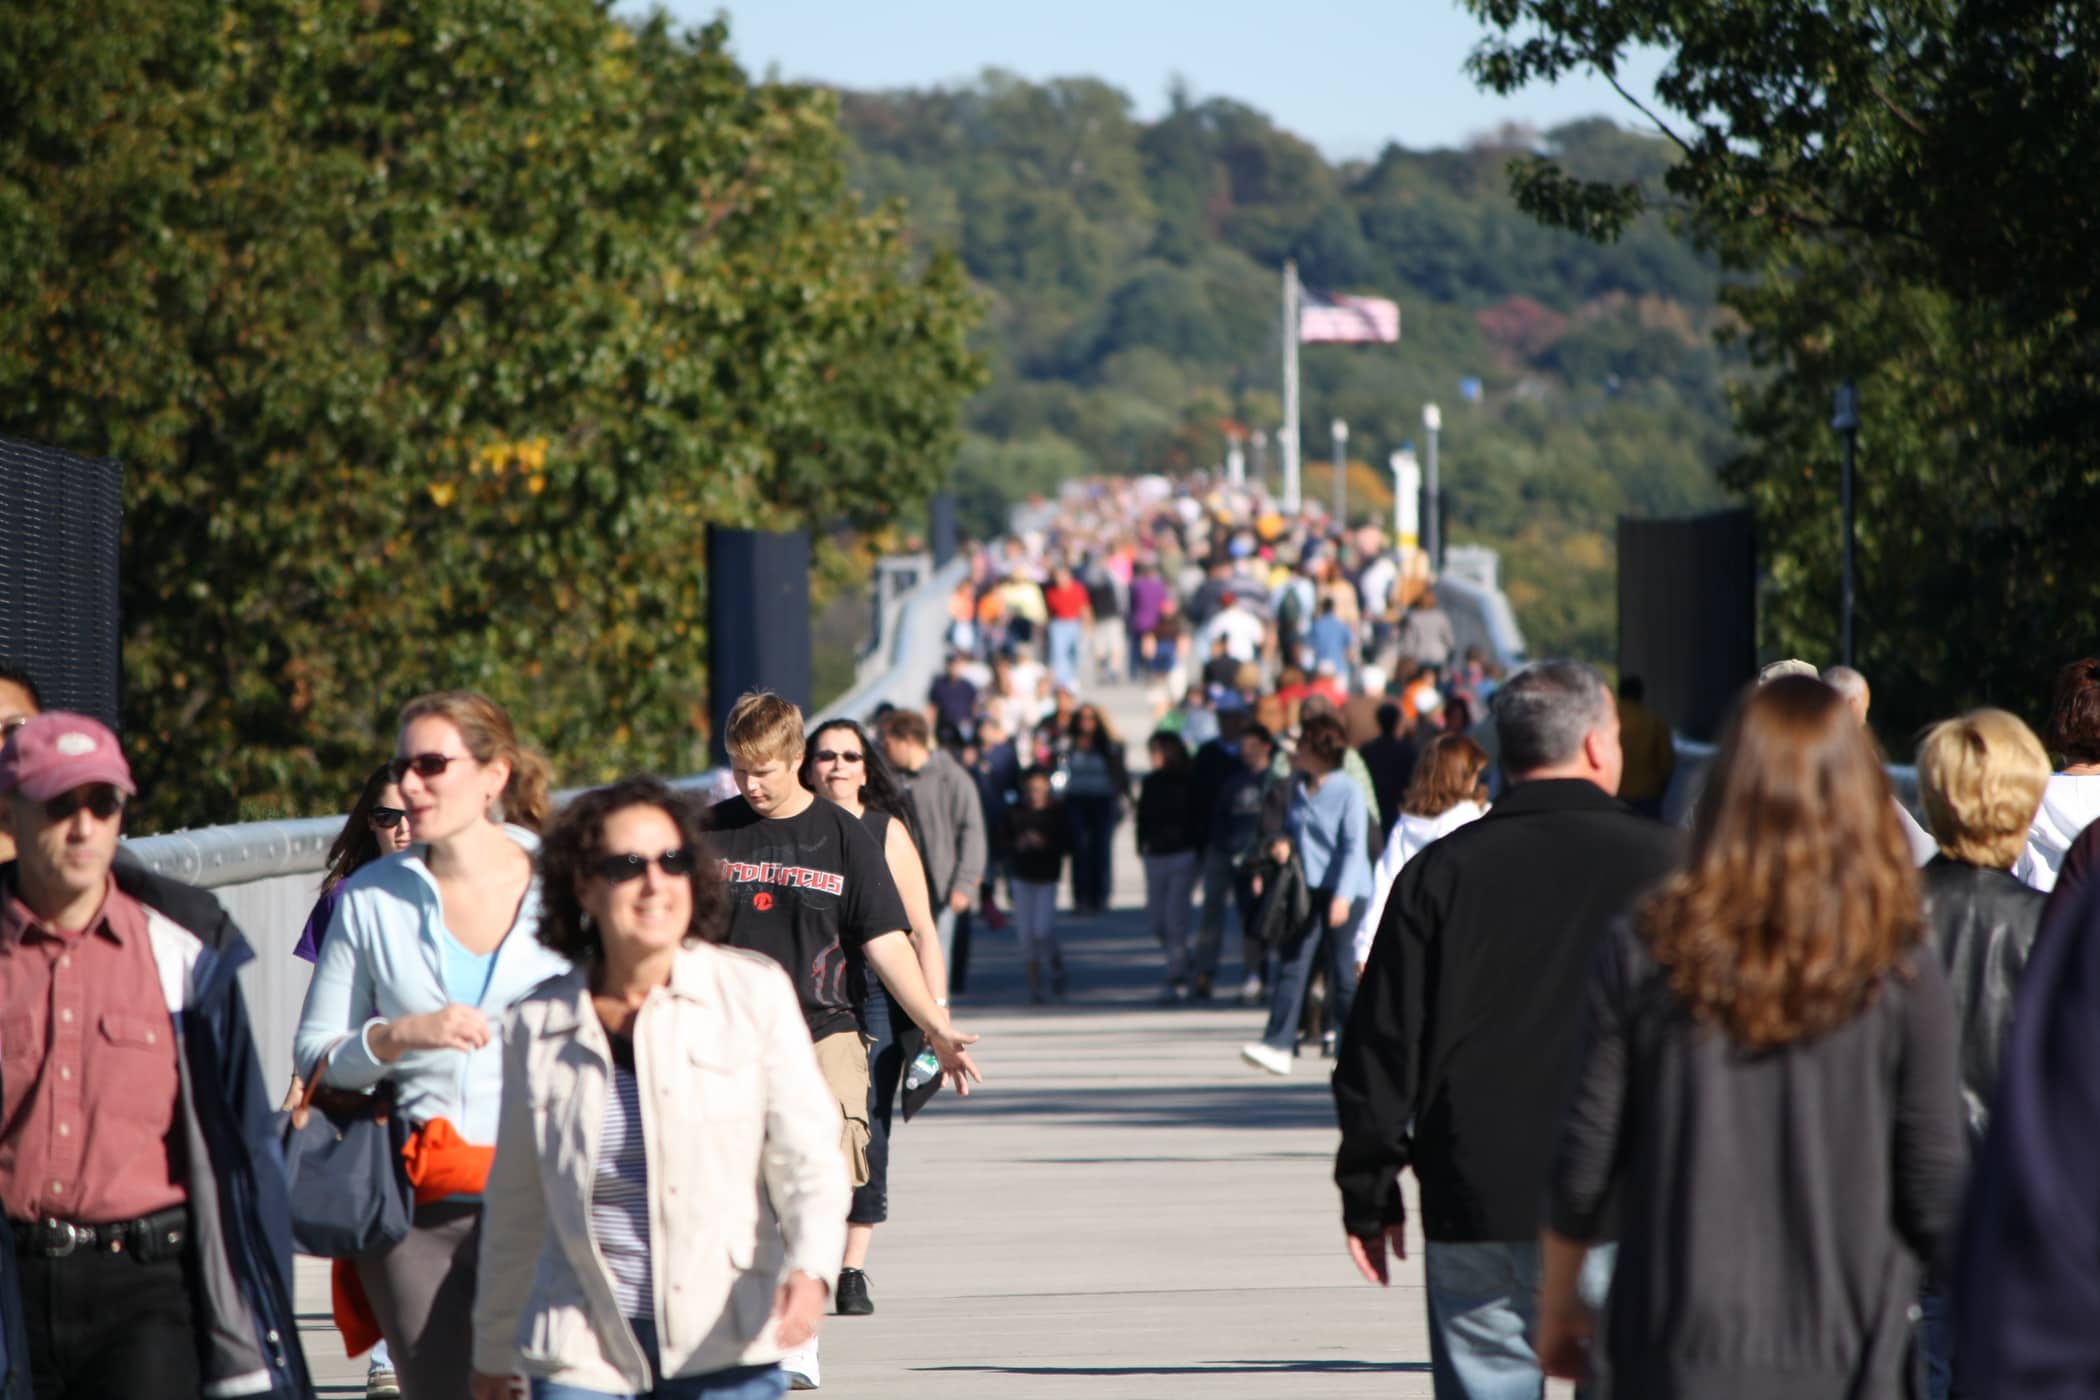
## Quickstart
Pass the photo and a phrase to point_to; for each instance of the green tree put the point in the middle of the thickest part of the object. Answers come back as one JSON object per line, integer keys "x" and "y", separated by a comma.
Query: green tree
{"x": 432, "y": 337}
{"x": 1893, "y": 182}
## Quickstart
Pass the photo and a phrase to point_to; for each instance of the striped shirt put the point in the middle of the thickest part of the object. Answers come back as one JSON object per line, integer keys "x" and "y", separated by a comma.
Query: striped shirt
{"x": 620, "y": 1195}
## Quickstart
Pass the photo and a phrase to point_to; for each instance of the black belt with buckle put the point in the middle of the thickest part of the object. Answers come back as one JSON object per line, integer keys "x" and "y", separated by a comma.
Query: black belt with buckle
{"x": 160, "y": 1235}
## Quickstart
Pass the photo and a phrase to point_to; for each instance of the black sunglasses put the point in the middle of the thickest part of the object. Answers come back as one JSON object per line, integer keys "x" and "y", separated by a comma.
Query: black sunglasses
{"x": 102, "y": 803}
{"x": 838, "y": 756}
{"x": 387, "y": 818}
{"x": 618, "y": 870}
{"x": 423, "y": 765}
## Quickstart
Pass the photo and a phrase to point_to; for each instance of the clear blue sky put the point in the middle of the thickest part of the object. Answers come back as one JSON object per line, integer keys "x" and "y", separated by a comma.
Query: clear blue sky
{"x": 1348, "y": 75}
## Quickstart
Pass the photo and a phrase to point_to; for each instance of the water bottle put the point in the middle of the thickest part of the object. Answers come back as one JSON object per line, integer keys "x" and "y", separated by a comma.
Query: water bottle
{"x": 923, "y": 1071}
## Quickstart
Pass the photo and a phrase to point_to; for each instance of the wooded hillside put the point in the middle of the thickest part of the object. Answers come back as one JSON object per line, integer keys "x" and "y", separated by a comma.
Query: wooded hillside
{"x": 1131, "y": 274}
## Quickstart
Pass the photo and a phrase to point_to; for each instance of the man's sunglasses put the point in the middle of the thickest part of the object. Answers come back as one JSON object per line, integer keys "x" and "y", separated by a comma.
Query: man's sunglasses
{"x": 387, "y": 818}
{"x": 618, "y": 870}
{"x": 102, "y": 803}
{"x": 839, "y": 756}
{"x": 423, "y": 765}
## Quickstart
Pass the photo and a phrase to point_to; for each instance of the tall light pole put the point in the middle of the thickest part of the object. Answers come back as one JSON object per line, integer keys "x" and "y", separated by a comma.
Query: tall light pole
{"x": 1236, "y": 464}
{"x": 1433, "y": 524}
{"x": 1261, "y": 458}
{"x": 1340, "y": 431}
{"x": 1845, "y": 419}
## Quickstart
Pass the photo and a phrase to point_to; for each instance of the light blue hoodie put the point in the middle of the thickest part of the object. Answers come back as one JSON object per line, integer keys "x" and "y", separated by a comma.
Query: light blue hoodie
{"x": 383, "y": 959}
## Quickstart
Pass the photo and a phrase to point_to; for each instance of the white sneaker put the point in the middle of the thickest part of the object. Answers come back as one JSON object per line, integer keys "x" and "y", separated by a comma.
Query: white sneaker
{"x": 801, "y": 1367}
{"x": 1263, "y": 1057}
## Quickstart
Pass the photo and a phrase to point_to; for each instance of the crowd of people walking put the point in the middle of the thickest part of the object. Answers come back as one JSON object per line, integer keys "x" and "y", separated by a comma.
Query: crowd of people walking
{"x": 1740, "y": 1083}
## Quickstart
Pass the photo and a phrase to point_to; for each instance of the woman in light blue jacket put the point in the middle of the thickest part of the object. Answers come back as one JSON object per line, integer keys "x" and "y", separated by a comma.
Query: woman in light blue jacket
{"x": 427, "y": 950}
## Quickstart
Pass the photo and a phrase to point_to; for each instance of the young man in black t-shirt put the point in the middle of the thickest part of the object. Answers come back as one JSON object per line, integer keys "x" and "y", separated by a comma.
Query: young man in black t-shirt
{"x": 809, "y": 888}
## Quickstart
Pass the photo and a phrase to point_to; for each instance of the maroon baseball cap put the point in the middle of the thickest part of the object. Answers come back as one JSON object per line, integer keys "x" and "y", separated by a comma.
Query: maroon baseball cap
{"x": 57, "y": 752}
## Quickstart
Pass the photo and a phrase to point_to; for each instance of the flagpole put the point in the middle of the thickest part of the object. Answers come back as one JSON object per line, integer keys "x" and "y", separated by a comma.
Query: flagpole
{"x": 1289, "y": 444}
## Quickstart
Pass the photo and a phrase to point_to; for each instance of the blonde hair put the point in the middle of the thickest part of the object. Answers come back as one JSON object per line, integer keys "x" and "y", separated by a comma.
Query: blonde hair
{"x": 485, "y": 728}
{"x": 1981, "y": 777}
{"x": 764, "y": 727}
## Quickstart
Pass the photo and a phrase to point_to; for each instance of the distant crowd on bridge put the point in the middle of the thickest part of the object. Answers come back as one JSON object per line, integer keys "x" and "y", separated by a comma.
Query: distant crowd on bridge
{"x": 1789, "y": 1095}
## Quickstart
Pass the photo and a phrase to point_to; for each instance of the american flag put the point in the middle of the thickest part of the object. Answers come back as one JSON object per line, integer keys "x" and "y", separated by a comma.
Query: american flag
{"x": 1324, "y": 316}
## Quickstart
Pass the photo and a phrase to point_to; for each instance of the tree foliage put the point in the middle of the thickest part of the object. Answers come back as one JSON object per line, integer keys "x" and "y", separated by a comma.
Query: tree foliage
{"x": 432, "y": 335}
{"x": 1903, "y": 186}
{"x": 1138, "y": 327}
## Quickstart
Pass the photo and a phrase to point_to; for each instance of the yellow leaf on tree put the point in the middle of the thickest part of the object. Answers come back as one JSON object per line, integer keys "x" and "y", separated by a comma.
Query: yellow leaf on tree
{"x": 443, "y": 493}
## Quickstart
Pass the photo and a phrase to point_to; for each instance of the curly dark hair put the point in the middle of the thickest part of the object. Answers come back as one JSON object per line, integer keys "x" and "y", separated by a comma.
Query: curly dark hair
{"x": 2074, "y": 712}
{"x": 573, "y": 845}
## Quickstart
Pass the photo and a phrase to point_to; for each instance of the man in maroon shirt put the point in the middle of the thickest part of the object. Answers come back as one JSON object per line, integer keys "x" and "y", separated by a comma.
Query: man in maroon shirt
{"x": 103, "y": 1153}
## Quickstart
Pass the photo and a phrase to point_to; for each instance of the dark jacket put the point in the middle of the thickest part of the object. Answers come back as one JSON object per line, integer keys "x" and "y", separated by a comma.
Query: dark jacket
{"x": 240, "y": 1210}
{"x": 1458, "y": 1054}
{"x": 1983, "y": 923}
{"x": 1391, "y": 762}
{"x": 1778, "y": 1209}
{"x": 1168, "y": 821}
{"x": 2027, "y": 1280}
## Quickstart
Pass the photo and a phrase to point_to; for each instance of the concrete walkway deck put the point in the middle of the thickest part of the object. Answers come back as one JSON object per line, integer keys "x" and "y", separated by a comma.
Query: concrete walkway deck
{"x": 1123, "y": 1211}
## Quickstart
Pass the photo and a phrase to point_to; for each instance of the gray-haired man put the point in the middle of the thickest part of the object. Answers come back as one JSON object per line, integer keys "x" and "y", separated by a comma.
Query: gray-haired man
{"x": 1454, "y": 1061}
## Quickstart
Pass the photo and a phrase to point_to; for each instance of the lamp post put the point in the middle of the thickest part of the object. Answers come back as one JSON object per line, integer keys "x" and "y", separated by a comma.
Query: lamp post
{"x": 1433, "y": 524}
{"x": 1341, "y": 472}
{"x": 1236, "y": 464}
{"x": 1845, "y": 419}
{"x": 1261, "y": 458}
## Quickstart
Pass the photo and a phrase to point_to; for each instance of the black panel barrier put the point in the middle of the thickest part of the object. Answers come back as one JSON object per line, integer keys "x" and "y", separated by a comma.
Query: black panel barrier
{"x": 1688, "y": 614}
{"x": 758, "y": 635}
{"x": 60, "y": 516}
{"x": 941, "y": 532}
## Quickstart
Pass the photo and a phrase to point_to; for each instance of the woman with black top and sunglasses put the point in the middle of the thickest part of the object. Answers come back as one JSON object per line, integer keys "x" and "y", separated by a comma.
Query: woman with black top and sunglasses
{"x": 424, "y": 954}
{"x": 843, "y": 766}
{"x": 376, "y": 827}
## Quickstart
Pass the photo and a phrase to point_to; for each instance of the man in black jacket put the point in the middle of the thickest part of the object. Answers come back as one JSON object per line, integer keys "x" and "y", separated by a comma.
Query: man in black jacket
{"x": 1456, "y": 1060}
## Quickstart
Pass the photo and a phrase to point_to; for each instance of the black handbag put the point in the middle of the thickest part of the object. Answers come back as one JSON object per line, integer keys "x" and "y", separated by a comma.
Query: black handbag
{"x": 342, "y": 1161}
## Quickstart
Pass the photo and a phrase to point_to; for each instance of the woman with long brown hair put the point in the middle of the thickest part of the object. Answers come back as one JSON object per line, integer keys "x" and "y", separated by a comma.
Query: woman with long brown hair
{"x": 1447, "y": 789}
{"x": 1770, "y": 1088}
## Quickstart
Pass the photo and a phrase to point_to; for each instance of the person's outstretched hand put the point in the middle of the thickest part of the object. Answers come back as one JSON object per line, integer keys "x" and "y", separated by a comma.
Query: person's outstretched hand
{"x": 798, "y": 1306}
{"x": 1369, "y": 1253}
{"x": 951, "y": 1048}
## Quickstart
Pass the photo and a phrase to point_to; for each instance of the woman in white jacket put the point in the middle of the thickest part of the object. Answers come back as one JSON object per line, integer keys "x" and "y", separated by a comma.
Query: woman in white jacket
{"x": 1448, "y": 789}
{"x": 667, "y": 1209}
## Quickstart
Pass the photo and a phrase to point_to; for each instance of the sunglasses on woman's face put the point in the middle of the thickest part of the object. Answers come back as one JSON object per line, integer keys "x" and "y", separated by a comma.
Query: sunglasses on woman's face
{"x": 102, "y": 803}
{"x": 387, "y": 818}
{"x": 423, "y": 765}
{"x": 618, "y": 870}
{"x": 839, "y": 755}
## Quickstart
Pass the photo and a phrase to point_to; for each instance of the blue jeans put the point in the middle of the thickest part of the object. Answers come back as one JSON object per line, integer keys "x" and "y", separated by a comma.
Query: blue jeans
{"x": 1484, "y": 1313}
{"x": 1294, "y": 969}
{"x": 1065, "y": 639}
{"x": 736, "y": 1383}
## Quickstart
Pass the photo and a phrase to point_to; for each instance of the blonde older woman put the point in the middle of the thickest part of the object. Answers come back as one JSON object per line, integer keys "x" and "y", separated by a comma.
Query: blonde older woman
{"x": 667, "y": 1209}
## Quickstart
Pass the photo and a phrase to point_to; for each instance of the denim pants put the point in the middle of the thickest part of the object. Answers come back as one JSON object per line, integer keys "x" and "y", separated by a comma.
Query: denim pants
{"x": 1484, "y": 1313}
{"x": 1065, "y": 638}
{"x": 1093, "y": 849}
{"x": 881, "y": 1018}
{"x": 1294, "y": 969}
{"x": 1218, "y": 895}
{"x": 737, "y": 1383}
{"x": 1170, "y": 883}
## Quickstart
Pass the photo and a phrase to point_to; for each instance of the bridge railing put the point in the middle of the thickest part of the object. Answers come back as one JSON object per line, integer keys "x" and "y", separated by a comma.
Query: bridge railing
{"x": 267, "y": 874}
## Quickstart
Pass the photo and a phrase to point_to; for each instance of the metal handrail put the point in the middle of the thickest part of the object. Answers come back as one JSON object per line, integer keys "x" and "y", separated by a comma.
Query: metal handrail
{"x": 212, "y": 856}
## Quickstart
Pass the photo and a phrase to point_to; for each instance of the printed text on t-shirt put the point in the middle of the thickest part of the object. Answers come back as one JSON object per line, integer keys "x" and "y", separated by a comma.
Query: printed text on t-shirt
{"x": 740, "y": 872}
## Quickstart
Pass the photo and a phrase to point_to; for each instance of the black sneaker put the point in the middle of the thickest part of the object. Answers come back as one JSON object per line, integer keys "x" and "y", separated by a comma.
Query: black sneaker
{"x": 853, "y": 1299}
